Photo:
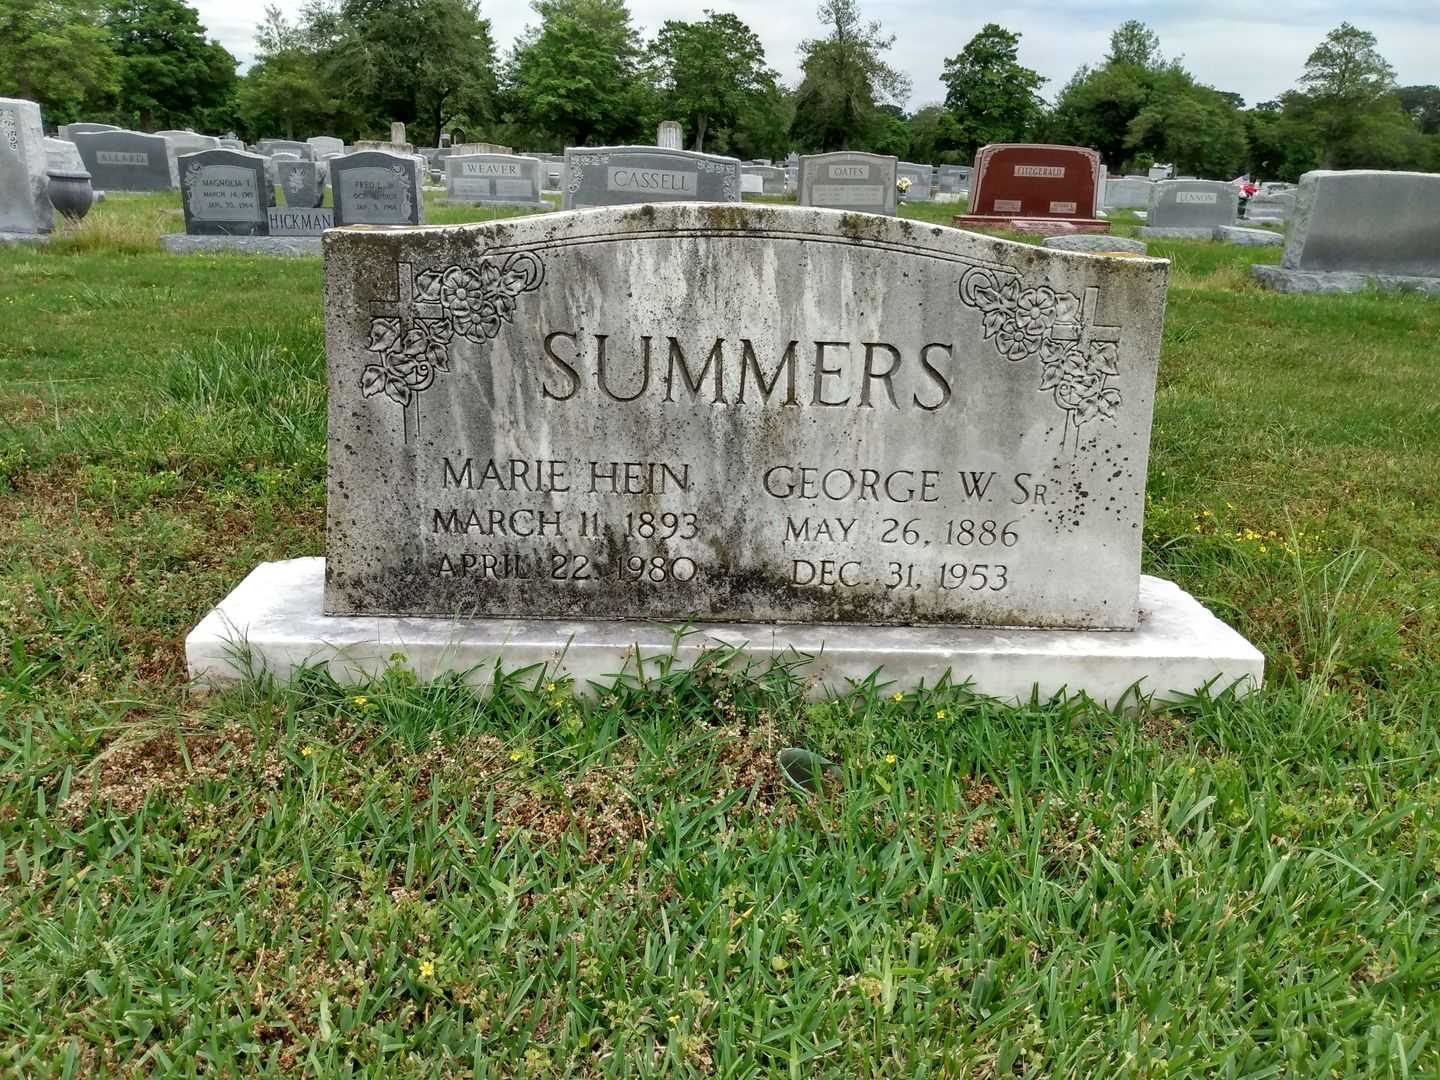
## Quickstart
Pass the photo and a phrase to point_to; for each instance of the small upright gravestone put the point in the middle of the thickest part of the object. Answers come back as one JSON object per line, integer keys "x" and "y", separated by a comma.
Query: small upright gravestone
{"x": 126, "y": 161}
{"x": 494, "y": 180}
{"x": 1352, "y": 229}
{"x": 622, "y": 175}
{"x": 326, "y": 144}
{"x": 1128, "y": 193}
{"x": 771, "y": 178}
{"x": 69, "y": 131}
{"x": 921, "y": 177}
{"x": 24, "y": 172}
{"x": 670, "y": 136}
{"x": 1190, "y": 208}
{"x": 1016, "y": 184}
{"x": 303, "y": 183}
{"x": 397, "y": 132}
{"x": 62, "y": 156}
{"x": 374, "y": 187}
{"x": 849, "y": 180}
{"x": 858, "y": 438}
{"x": 224, "y": 193}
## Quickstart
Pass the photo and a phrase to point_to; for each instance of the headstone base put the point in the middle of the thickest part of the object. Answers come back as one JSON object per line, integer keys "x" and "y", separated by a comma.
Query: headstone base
{"x": 24, "y": 238}
{"x": 1341, "y": 281}
{"x": 541, "y": 205}
{"x": 1096, "y": 244}
{"x": 1036, "y": 226}
{"x": 272, "y": 622}
{"x": 1177, "y": 232}
{"x": 950, "y": 196}
{"x": 1238, "y": 234}
{"x": 185, "y": 244}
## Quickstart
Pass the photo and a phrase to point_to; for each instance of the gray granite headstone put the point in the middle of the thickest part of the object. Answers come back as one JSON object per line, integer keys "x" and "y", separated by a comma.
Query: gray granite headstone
{"x": 185, "y": 142}
{"x": 772, "y": 179}
{"x": 326, "y": 144}
{"x": 24, "y": 172}
{"x": 1128, "y": 193}
{"x": 921, "y": 177}
{"x": 375, "y": 187}
{"x": 224, "y": 193}
{"x": 755, "y": 413}
{"x": 849, "y": 180}
{"x": 494, "y": 179}
{"x": 954, "y": 179}
{"x": 61, "y": 155}
{"x": 1366, "y": 220}
{"x": 624, "y": 175}
{"x": 69, "y": 131}
{"x": 125, "y": 161}
{"x": 303, "y": 183}
{"x": 269, "y": 147}
{"x": 1192, "y": 204}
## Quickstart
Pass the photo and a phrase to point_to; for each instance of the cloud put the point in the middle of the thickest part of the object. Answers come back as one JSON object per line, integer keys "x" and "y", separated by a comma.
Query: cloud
{"x": 1256, "y": 50}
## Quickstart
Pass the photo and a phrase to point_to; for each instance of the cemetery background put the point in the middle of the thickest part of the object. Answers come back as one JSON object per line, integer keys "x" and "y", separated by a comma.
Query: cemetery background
{"x": 384, "y": 874}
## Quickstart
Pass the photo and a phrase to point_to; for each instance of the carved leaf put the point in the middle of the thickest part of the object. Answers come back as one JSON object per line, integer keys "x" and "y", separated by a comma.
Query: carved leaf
{"x": 1105, "y": 357}
{"x": 438, "y": 330}
{"x": 372, "y": 380}
{"x": 1050, "y": 377}
{"x": 1067, "y": 307}
{"x": 384, "y": 333}
{"x": 438, "y": 355}
{"x": 397, "y": 391}
{"x": 414, "y": 344}
{"x": 427, "y": 286}
{"x": 1109, "y": 402}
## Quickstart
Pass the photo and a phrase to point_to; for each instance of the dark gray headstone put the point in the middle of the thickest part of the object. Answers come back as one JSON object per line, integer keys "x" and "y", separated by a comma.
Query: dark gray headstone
{"x": 625, "y": 175}
{"x": 125, "y": 161}
{"x": 303, "y": 183}
{"x": 375, "y": 187}
{"x": 1191, "y": 204}
{"x": 494, "y": 179}
{"x": 849, "y": 180}
{"x": 224, "y": 193}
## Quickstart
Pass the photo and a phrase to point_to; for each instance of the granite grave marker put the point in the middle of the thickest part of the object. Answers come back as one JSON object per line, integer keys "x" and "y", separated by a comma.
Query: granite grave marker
{"x": 848, "y": 180}
{"x": 1014, "y": 182}
{"x": 375, "y": 187}
{"x": 125, "y": 161}
{"x": 495, "y": 179}
{"x": 625, "y": 175}
{"x": 24, "y": 170}
{"x": 224, "y": 193}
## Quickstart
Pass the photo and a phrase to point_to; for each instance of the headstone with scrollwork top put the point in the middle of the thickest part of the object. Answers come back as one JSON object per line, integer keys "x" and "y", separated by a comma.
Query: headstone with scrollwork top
{"x": 625, "y": 175}
{"x": 859, "y": 437}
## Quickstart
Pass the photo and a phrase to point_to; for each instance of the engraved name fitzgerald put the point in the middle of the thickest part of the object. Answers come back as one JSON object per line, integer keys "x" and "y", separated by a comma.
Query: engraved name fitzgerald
{"x": 832, "y": 374}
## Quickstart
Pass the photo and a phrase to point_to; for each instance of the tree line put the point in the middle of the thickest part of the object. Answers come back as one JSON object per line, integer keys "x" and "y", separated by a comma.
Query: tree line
{"x": 583, "y": 73}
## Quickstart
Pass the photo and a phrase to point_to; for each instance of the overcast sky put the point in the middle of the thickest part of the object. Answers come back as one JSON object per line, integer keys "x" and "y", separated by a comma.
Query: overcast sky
{"x": 1252, "y": 47}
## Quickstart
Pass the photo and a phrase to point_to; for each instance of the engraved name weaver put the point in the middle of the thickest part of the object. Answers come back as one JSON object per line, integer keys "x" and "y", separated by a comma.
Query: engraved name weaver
{"x": 473, "y": 302}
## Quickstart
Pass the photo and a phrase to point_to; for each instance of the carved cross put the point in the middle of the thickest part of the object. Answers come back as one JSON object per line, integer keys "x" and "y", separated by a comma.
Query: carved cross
{"x": 403, "y": 305}
{"x": 1083, "y": 329}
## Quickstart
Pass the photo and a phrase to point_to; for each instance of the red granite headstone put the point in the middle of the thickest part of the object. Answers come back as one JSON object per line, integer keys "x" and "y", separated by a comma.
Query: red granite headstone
{"x": 1013, "y": 183}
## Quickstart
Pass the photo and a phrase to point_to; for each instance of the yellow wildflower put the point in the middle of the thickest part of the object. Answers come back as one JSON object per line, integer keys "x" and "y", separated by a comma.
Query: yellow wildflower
{"x": 897, "y": 696}
{"x": 549, "y": 687}
{"x": 427, "y": 969}
{"x": 890, "y": 759}
{"x": 361, "y": 700}
{"x": 939, "y": 714}
{"x": 306, "y": 752}
{"x": 515, "y": 755}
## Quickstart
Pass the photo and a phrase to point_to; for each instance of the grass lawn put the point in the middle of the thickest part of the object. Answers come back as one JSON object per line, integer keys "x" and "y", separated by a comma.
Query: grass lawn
{"x": 418, "y": 880}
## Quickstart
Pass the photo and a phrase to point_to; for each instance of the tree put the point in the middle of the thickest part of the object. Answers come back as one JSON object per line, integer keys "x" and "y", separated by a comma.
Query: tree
{"x": 55, "y": 52}
{"x": 990, "y": 95}
{"x": 1135, "y": 44}
{"x": 286, "y": 90}
{"x": 170, "y": 75}
{"x": 577, "y": 74}
{"x": 1191, "y": 125}
{"x": 935, "y": 136}
{"x": 1423, "y": 105}
{"x": 711, "y": 71}
{"x": 417, "y": 60}
{"x": 1348, "y": 95}
{"x": 844, "y": 80}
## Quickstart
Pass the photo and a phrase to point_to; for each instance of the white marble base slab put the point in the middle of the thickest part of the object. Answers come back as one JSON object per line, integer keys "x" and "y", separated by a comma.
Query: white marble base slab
{"x": 18, "y": 238}
{"x": 1340, "y": 281}
{"x": 185, "y": 244}
{"x": 272, "y": 622}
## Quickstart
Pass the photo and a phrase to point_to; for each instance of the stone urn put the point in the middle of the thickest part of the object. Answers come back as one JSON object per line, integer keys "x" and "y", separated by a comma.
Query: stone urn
{"x": 71, "y": 193}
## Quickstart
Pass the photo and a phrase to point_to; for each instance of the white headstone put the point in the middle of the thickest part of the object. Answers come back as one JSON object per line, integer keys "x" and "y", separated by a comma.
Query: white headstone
{"x": 24, "y": 181}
